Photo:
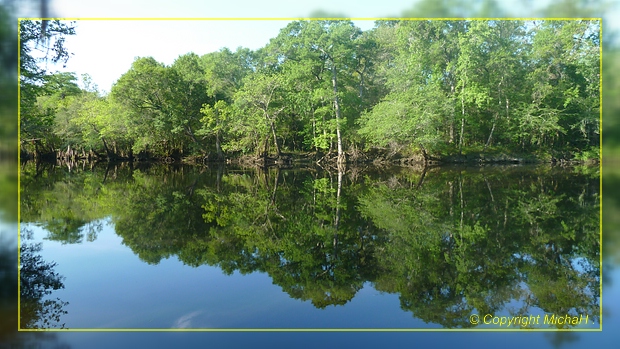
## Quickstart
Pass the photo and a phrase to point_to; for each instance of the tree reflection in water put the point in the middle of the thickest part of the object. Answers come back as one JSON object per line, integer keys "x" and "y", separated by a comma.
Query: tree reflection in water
{"x": 449, "y": 241}
{"x": 37, "y": 281}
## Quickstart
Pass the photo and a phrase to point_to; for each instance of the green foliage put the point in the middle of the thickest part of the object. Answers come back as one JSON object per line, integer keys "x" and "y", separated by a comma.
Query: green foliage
{"x": 261, "y": 105}
{"x": 224, "y": 71}
{"x": 434, "y": 87}
{"x": 147, "y": 90}
{"x": 590, "y": 154}
{"x": 34, "y": 80}
{"x": 465, "y": 83}
{"x": 215, "y": 118}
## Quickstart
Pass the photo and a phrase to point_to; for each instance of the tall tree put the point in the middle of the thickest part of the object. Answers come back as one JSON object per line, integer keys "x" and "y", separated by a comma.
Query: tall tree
{"x": 147, "y": 90}
{"x": 189, "y": 95}
{"x": 327, "y": 48}
{"x": 260, "y": 98}
{"x": 49, "y": 37}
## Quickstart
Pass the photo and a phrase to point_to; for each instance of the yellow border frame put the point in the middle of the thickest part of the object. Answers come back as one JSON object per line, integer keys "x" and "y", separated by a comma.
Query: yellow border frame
{"x": 600, "y": 329}
{"x": 19, "y": 172}
{"x": 600, "y": 170}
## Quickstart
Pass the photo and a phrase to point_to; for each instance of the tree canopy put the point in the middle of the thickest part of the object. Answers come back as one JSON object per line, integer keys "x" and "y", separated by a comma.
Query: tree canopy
{"x": 433, "y": 87}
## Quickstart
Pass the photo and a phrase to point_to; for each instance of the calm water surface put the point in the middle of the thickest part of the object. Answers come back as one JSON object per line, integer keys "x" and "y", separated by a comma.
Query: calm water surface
{"x": 156, "y": 246}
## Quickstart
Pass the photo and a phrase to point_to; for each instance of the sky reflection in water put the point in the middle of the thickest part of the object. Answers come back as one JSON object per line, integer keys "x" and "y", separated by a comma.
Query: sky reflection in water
{"x": 109, "y": 287}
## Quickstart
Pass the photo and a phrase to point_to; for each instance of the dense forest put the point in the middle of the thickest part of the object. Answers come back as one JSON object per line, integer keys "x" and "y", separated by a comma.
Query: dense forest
{"x": 420, "y": 89}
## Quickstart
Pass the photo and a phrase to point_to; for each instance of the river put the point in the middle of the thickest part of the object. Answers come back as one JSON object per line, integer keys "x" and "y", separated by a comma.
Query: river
{"x": 152, "y": 246}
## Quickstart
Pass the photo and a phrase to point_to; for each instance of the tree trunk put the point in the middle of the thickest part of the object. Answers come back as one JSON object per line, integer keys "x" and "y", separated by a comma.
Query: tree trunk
{"x": 190, "y": 133}
{"x": 37, "y": 152}
{"x": 341, "y": 156}
{"x": 499, "y": 101}
{"x": 452, "y": 119}
{"x": 421, "y": 181}
{"x": 425, "y": 155}
{"x": 265, "y": 147}
{"x": 491, "y": 133}
{"x": 275, "y": 187}
{"x": 107, "y": 150}
{"x": 337, "y": 218}
{"x": 316, "y": 149}
{"x": 275, "y": 139}
{"x": 218, "y": 146}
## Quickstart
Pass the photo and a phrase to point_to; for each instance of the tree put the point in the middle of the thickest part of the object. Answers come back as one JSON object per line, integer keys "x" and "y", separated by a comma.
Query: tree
{"x": 188, "y": 97}
{"x": 326, "y": 49}
{"x": 215, "y": 122}
{"x": 419, "y": 111}
{"x": 442, "y": 89}
{"x": 224, "y": 71}
{"x": 102, "y": 121}
{"x": 54, "y": 105}
{"x": 456, "y": 84}
{"x": 564, "y": 80}
{"x": 147, "y": 91}
{"x": 38, "y": 36}
{"x": 260, "y": 99}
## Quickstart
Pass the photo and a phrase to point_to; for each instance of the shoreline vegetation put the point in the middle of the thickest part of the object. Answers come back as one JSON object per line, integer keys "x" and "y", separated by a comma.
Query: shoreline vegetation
{"x": 324, "y": 91}
{"x": 375, "y": 156}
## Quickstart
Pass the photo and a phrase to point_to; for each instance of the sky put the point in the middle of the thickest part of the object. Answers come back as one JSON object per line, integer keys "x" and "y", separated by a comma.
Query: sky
{"x": 105, "y": 49}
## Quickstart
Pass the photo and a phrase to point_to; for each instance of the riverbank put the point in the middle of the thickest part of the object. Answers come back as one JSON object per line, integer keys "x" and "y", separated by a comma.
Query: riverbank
{"x": 375, "y": 156}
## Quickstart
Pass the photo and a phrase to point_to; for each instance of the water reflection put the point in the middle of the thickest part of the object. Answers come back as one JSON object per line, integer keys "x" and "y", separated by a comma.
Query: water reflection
{"x": 448, "y": 242}
{"x": 38, "y": 280}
